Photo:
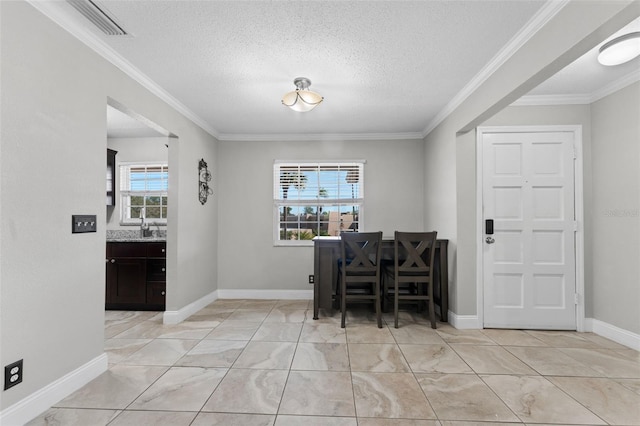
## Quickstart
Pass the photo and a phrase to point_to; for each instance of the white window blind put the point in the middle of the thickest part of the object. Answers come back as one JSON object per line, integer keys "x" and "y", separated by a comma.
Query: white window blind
{"x": 313, "y": 199}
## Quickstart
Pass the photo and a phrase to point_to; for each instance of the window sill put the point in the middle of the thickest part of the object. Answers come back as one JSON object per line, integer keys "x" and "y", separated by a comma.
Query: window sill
{"x": 293, "y": 243}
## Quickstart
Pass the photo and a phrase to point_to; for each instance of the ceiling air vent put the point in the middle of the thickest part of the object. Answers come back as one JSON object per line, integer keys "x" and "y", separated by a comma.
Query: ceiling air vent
{"x": 97, "y": 16}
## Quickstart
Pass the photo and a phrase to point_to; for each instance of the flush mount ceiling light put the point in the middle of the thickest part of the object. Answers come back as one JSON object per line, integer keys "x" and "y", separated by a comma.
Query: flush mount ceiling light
{"x": 302, "y": 99}
{"x": 620, "y": 50}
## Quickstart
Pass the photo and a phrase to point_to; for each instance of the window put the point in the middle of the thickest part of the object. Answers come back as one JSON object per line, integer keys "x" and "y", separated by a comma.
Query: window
{"x": 313, "y": 199}
{"x": 143, "y": 191}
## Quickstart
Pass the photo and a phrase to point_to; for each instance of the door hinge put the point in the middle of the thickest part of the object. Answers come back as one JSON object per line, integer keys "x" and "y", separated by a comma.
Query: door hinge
{"x": 575, "y": 152}
{"x": 576, "y": 298}
{"x": 575, "y": 226}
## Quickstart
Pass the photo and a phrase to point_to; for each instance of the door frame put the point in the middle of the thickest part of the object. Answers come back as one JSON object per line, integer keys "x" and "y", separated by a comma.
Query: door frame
{"x": 578, "y": 202}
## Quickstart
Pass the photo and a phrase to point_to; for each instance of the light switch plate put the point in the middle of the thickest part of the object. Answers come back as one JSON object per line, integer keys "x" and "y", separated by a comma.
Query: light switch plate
{"x": 81, "y": 223}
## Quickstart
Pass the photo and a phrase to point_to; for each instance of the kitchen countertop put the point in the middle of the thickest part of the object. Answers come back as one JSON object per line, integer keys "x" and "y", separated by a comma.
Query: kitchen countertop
{"x": 133, "y": 236}
{"x": 137, "y": 240}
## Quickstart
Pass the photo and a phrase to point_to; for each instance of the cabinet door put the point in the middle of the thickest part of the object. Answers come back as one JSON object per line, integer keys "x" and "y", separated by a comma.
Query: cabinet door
{"x": 156, "y": 270}
{"x": 126, "y": 280}
{"x": 156, "y": 292}
{"x": 157, "y": 250}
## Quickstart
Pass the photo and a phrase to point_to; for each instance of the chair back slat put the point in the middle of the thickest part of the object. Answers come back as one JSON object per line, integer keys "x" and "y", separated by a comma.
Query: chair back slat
{"x": 359, "y": 276}
{"x": 361, "y": 251}
{"x": 412, "y": 272}
{"x": 414, "y": 252}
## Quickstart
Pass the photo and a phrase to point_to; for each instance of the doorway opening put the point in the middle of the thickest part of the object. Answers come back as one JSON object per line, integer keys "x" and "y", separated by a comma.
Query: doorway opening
{"x": 137, "y": 210}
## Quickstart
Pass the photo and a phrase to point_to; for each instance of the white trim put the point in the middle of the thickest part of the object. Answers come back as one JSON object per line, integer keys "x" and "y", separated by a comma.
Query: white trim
{"x": 579, "y": 211}
{"x": 265, "y": 294}
{"x": 323, "y": 162}
{"x": 320, "y": 137}
{"x": 464, "y": 322}
{"x": 583, "y": 99}
{"x": 539, "y": 20}
{"x": 41, "y": 400}
{"x": 611, "y": 332}
{"x": 614, "y": 86}
{"x": 578, "y": 189}
{"x": 176, "y": 317}
{"x": 547, "y": 100}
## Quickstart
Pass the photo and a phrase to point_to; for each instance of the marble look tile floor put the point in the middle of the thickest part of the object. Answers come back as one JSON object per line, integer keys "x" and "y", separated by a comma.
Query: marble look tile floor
{"x": 267, "y": 362}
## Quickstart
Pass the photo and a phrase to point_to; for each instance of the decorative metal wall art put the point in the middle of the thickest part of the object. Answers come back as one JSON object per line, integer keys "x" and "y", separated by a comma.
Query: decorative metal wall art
{"x": 204, "y": 177}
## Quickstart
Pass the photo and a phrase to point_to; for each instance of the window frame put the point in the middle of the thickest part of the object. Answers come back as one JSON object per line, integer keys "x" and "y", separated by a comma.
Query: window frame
{"x": 279, "y": 203}
{"x": 124, "y": 169}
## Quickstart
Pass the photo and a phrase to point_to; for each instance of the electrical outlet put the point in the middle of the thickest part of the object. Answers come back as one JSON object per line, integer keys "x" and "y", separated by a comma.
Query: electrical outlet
{"x": 312, "y": 279}
{"x": 81, "y": 223}
{"x": 12, "y": 374}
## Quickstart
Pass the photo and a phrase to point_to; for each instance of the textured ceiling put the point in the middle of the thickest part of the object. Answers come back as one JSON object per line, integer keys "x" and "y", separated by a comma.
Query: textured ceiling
{"x": 383, "y": 67}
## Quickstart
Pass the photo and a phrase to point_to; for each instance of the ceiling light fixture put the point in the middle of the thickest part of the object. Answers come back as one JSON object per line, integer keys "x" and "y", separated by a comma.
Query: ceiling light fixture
{"x": 620, "y": 50}
{"x": 302, "y": 99}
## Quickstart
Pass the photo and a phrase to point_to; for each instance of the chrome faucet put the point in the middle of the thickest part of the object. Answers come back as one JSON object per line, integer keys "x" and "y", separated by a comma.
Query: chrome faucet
{"x": 144, "y": 226}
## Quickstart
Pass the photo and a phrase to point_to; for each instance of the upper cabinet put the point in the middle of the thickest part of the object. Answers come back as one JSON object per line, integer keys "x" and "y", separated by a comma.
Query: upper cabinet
{"x": 111, "y": 177}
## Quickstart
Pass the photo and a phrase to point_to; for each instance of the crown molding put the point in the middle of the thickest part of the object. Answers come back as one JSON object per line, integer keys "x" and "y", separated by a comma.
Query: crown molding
{"x": 616, "y": 85}
{"x": 547, "y": 12}
{"x": 539, "y": 20}
{"x": 320, "y": 137}
{"x": 53, "y": 12}
{"x": 540, "y": 100}
{"x": 583, "y": 99}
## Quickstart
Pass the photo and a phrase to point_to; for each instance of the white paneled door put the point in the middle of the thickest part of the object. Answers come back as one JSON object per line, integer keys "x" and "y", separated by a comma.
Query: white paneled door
{"x": 529, "y": 277}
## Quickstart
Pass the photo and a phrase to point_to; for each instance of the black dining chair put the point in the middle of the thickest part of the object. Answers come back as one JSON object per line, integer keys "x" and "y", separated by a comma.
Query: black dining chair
{"x": 412, "y": 271}
{"x": 359, "y": 270}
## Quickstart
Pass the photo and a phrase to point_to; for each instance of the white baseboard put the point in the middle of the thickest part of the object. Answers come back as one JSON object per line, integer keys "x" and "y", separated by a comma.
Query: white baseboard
{"x": 176, "y": 317}
{"x": 38, "y": 402}
{"x": 266, "y": 294}
{"x": 464, "y": 322}
{"x": 617, "y": 334}
{"x": 611, "y": 332}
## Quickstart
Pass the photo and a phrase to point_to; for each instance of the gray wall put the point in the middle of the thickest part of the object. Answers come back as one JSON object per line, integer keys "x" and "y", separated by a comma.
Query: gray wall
{"x": 615, "y": 209}
{"x": 141, "y": 150}
{"x": 440, "y": 200}
{"x": 52, "y": 165}
{"x": 393, "y": 178}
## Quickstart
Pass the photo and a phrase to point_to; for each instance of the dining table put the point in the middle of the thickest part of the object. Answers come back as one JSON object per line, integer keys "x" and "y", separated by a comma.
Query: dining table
{"x": 326, "y": 252}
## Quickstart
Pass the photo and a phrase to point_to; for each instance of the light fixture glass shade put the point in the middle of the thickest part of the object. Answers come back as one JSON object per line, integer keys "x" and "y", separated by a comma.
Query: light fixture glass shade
{"x": 302, "y": 99}
{"x": 620, "y": 50}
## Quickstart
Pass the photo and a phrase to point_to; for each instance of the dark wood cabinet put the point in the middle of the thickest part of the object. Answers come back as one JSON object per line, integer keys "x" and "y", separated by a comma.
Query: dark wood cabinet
{"x": 111, "y": 177}
{"x": 126, "y": 280}
{"x": 136, "y": 276}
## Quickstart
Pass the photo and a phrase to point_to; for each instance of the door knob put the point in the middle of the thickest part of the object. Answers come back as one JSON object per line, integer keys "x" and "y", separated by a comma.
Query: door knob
{"x": 113, "y": 261}
{"x": 490, "y": 240}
